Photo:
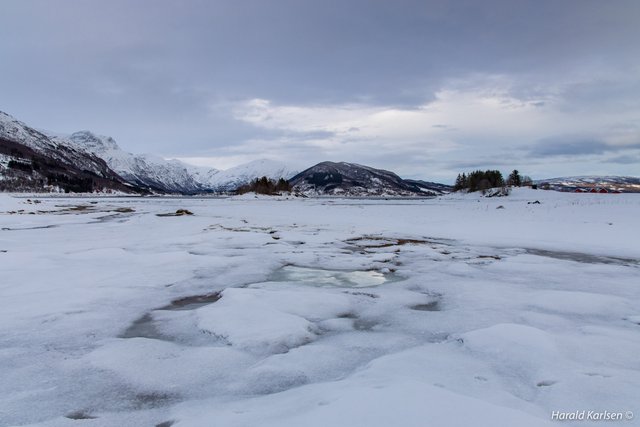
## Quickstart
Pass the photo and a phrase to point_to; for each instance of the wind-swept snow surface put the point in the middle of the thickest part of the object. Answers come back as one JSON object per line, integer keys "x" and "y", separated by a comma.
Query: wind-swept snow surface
{"x": 454, "y": 311}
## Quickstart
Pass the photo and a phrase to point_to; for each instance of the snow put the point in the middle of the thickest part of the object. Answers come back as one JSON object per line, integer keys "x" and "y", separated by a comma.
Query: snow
{"x": 246, "y": 319}
{"x": 142, "y": 169}
{"x": 146, "y": 170}
{"x": 232, "y": 178}
{"x": 172, "y": 174}
{"x": 15, "y": 130}
{"x": 344, "y": 312}
{"x": 569, "y": 183}
{"x": 175, "y": 175}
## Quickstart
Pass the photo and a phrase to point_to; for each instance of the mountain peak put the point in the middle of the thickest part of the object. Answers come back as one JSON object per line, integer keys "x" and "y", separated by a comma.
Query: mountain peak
{"x": 92, "y": 142}
{"x": 6, "y": 117}
{"x": 232, "y": 178}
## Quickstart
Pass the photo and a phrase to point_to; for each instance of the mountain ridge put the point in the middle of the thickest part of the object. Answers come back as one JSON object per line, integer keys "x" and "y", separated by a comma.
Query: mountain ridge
{"x": 30, "y": 160}
{"x": 35, "y": 160}
{"x": 352, "y": 179}
{"x": 101, "y": 155}
{"x": 626, "y": 184}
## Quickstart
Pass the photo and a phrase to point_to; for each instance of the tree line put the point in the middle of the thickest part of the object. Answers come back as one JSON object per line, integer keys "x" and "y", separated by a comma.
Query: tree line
{"x": 483, "y": 180}
{"x": 265, "y": 185}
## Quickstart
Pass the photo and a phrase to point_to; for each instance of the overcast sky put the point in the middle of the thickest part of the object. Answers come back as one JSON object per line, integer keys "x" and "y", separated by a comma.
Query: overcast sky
{"x": 424, "y": 88}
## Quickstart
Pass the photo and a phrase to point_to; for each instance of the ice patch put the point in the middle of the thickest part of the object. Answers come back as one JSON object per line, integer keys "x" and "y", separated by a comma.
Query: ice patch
{"x": 324, "y": 278}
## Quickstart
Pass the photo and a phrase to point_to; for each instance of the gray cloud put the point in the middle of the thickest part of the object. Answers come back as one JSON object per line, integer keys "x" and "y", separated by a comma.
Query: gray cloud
{"x": 482, "y": 164}
{"x": 164, "y": 76}
{"x": 625, "y": 160}
{"x": 574, "y": 146}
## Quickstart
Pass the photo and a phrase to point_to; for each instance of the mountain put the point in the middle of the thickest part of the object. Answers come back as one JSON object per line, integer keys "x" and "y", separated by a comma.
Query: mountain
{"x": 33, "y": 161}
{"x": 350, "y": 179}
{"x": 625, "y": 184}
{"x": 434, "y": 187}
{"x": 174, "y": 176}
{"x": 230, "y": 179}
{"x": 100, "y": 155}
{"x": 146, "y": 171}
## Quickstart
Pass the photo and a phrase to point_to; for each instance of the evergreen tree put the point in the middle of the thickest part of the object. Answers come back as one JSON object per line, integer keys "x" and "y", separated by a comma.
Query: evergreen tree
{"x": 480, "y": 180}
{"x": 265, "y": 185}
{"x": 283, "y": 185}
{"x": 459, "y": 185}
{"x": 514, "y": 179}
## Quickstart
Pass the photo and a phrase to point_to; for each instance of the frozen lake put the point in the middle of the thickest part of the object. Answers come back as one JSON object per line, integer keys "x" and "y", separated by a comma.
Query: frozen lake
{"x": 319, "y": 312}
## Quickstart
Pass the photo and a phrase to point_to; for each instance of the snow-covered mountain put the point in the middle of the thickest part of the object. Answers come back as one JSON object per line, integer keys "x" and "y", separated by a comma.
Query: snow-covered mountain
{"x": 434, "y": 187}
{"x": 230, "y": 179}
{"x": 174, "y": 176}
{"x": 147, "y": 171}
{"x": 14, "y": 130}
{"x": 350, "y": 179}
{"x": 100, "y": 157}
{"x": 625, "y": 184}
{"x": 31, "y": 160}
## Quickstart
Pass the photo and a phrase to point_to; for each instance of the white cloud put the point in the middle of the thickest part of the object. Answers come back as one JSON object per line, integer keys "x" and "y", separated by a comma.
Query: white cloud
{"x": 482, "y": 117}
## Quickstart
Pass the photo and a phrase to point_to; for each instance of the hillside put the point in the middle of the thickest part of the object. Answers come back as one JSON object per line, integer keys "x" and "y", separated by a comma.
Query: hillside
{"x": 350, "y": 179}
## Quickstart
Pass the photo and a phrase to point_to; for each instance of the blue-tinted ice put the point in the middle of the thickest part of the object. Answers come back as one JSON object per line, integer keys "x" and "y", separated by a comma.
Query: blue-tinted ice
{"x": 329, "y": 278}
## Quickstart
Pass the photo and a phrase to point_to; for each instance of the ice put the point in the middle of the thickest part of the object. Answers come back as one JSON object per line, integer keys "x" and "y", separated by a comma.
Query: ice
{"x": 276, "y": 311}
{"x": 320, "y": 277}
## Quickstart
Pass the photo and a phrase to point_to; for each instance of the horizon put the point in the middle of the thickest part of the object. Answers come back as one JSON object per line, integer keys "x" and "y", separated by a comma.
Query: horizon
{"x": 426, "y": 89}
{"x": 193, "y": 162}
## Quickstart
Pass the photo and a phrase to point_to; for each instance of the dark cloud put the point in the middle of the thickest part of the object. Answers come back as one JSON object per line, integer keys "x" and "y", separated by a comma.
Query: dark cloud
{"x": 162, "y": 76}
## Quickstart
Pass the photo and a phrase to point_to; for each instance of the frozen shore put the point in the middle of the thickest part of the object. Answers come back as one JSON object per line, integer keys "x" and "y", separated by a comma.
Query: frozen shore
{"x": 457, "y": 310}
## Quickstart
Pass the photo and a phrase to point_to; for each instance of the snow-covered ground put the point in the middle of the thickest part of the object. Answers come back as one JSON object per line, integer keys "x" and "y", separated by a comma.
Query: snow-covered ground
{"x": 455, "y": 311}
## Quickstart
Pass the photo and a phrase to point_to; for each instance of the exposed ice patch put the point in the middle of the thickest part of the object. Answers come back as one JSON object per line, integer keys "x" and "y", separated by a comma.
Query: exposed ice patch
{"x": 175, "y": 322}
{"x": 329, "y": 278}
